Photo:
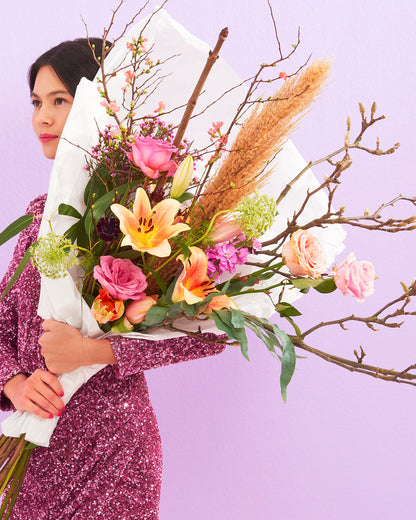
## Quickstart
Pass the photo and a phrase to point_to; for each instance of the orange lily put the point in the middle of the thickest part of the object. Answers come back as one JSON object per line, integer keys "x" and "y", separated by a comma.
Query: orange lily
{"x": 148, "y": 229}
{"x": 193, "y": 284}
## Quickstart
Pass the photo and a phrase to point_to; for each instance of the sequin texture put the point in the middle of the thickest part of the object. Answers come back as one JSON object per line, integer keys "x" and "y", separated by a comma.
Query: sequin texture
{"x": 104, "y": 460}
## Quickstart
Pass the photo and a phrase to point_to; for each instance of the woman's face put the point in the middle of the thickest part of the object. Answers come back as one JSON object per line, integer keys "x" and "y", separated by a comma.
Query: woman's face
{"x": 52, "y": 103}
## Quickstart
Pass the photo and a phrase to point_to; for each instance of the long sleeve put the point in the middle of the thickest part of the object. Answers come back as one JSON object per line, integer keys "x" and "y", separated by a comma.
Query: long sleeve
{"x": 9, "y": 307}
{"x": 134, "y": 355}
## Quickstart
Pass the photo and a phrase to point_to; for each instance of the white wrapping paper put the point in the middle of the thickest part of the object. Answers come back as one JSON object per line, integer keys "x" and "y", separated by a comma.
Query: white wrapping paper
{"x": 60, "y": 298}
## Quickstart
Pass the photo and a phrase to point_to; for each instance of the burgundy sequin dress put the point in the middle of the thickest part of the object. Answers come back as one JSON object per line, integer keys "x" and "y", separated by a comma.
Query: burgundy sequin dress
{"x": 104, "y": 460}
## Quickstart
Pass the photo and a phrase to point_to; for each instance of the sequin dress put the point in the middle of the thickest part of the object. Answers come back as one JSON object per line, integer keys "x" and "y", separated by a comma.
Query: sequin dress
{"x": 104, "y": 460}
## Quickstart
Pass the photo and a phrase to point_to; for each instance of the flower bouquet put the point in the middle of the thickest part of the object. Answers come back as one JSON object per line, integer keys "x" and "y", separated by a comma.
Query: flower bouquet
{"x": 170, "y": 216}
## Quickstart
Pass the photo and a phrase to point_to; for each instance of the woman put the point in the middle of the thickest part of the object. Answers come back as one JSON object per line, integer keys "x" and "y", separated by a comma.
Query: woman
{"x": 104, "y": 459}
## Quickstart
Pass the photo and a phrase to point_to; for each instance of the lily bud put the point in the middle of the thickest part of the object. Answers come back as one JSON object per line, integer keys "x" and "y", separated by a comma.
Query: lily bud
{"x": 183, "y": 177}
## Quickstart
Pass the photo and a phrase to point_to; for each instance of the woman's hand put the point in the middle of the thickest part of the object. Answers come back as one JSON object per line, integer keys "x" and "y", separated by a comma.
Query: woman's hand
{"x": 39, "y": 393}
{"x": 62, "y": 347}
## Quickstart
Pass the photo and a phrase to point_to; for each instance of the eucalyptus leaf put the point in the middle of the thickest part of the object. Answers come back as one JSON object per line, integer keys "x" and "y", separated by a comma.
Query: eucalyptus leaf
{"x": 15, "y": 228}
{"x": 67, "y": 209}
{"x": 155, "y": 316}
{"x": 326, "y": 286}
{"x": 305, "y": 283}
{"x": 223, "y": 321}
{"x": 286, "y": 309}
{"x": 18, "y": 272}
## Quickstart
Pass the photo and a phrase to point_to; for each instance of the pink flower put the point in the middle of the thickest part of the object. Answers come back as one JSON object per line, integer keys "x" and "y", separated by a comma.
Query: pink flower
{"x": 129, "y": 75}
{"x": 303, "y": 255}
{"x": 106, "y": 309}
{"x": 225, "y": 257}
{"x": 215, "y": 128}
{"x": 283, "y": 75}
{"x": 121, "y": 278}
{"x": 355, "y": 278}
{"x": 161, "y": 106}
{"x": 137, "y": 310}
{"x": 257, "y": 245}
{"x": 152, "y": 156}
{"x": 226, "y": 231}
{"x": 114, "y": 107}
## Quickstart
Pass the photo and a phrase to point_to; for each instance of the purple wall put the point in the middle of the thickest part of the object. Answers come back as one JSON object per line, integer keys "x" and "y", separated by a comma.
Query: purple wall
{"x": 342, "y": 446}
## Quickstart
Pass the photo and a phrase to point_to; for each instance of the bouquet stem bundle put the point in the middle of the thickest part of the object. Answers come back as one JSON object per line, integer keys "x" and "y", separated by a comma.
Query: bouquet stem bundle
{"x": 14, "y": 458}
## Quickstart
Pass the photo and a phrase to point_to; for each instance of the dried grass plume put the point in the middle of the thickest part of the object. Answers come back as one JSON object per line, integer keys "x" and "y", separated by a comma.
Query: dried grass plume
{"x": 269, "y": 125}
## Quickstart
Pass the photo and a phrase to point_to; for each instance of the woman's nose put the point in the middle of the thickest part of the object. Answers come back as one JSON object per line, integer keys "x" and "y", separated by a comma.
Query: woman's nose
{"x": 45, "y": 115}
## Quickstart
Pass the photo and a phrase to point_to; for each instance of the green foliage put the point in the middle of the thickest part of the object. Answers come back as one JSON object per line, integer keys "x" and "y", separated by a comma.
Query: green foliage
{"x": 67, "y": 209}
{"x": 18, "y": 272}
{"x": 286, "y": 309}
{"x": 322, "y": 285}
{"x": 155, "y": 316}
{"x": 15, "y": 228}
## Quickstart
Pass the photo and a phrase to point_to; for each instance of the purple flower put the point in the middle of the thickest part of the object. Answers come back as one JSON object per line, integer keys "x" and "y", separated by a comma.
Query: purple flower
{"x": 225, "y": 258}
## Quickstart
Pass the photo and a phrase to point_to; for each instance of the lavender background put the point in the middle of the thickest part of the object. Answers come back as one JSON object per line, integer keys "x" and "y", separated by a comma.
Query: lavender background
{"x": 343, "y": 445}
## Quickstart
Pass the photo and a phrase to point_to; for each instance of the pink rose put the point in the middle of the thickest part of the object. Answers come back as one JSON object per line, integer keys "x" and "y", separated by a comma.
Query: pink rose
{"x": 136, "y": 311}
{"x": 152, "y": 156}
{"x": 355, "y": 278}
{"x": 303, "y": 255}
{"x": 121, "y": 278}
{"x": 106, "y": 309}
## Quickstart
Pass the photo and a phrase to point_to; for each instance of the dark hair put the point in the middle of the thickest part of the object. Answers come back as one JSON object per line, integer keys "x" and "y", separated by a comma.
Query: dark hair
{"x": 71, "y": 60}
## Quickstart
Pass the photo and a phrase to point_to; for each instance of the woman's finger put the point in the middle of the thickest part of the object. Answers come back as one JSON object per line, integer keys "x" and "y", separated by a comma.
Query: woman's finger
{"x": 43, "y": 402}
{"x": 51, "y": 380}
{"x": 37, "y": 410}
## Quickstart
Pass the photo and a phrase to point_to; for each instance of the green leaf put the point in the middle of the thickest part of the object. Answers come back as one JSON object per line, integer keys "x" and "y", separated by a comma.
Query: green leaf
{"x": 263, "y": 334}
{"x": 305, "y": 283}
{"x": 189, "y": 310}
{"x": 131, "y": 254}
{"x": 184, "y": 197}
{"x": 101, "y": 205}
{"x": 237, "y": 318}
{"x": 223, "y": 321}
{"x": 288, "y": 360}
{"x": 66, "y": 209}
{"x": 183, "y": 246}
{"x": 174, "y": 310}
{"x": 326, "y": 286}
{"x": 158, "y": 279}
{"x": 155, "y": 316}
{"x": 279, "y": 337}
{"x": 15, "y": 228}
{"x": 285, "y": 309}
{"x": 18, "y": 272}
{"x": 235, "y": 285}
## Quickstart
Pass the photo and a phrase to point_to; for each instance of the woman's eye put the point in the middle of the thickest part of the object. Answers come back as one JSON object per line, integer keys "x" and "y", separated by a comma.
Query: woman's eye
{"x": 36, "y": 103}
{"x": 60, "y": 101}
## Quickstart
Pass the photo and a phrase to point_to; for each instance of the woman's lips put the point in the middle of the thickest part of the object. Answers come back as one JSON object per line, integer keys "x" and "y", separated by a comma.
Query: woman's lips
{"x": 45, "y": 138}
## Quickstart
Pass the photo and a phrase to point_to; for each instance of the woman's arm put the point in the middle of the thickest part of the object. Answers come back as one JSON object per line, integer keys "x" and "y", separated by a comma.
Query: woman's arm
{"x": 9, "y": 307}
{"x": 64, "y": 349}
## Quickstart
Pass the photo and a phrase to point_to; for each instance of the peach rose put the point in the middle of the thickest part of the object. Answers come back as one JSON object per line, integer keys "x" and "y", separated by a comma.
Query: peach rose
{"x": 303, "y": 255}
{"x": 355, "y": 278}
